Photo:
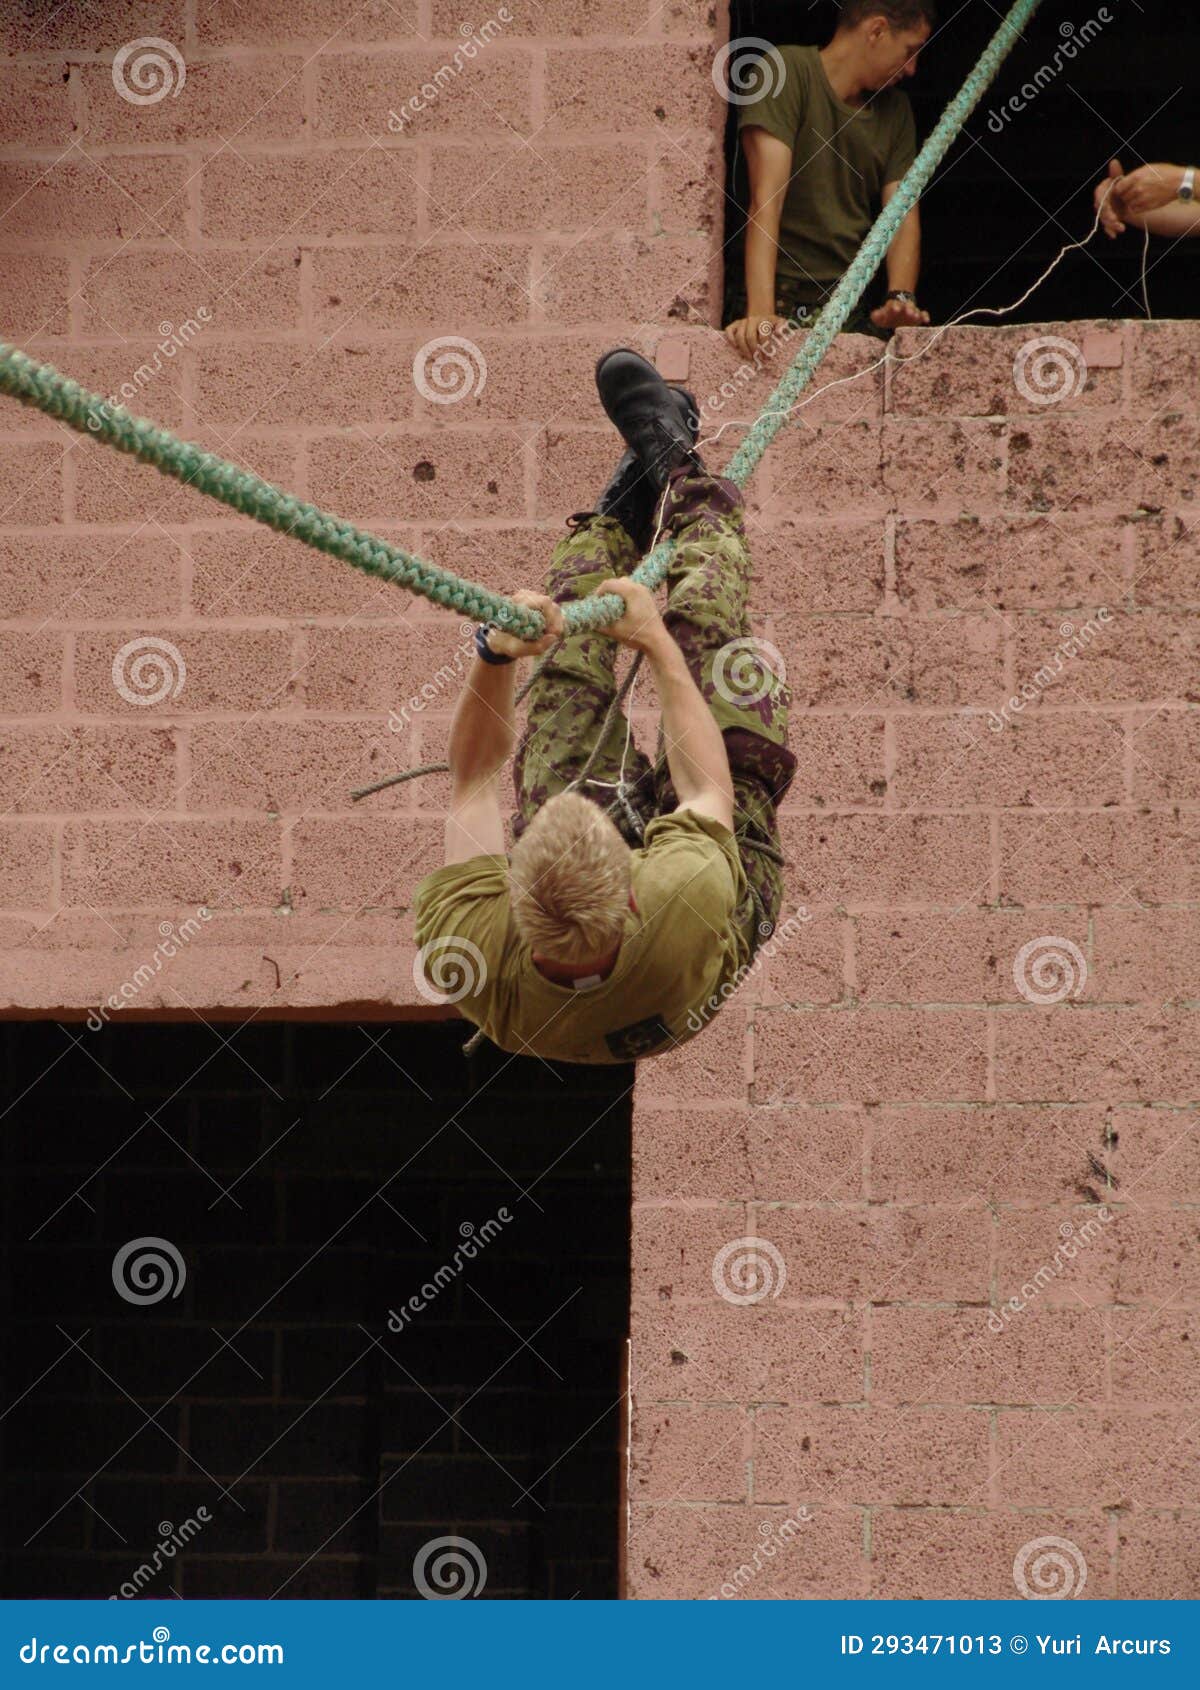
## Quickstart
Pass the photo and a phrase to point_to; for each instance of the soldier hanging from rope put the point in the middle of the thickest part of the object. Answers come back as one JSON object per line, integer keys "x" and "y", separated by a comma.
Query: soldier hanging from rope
{"x": 637, "y": 892}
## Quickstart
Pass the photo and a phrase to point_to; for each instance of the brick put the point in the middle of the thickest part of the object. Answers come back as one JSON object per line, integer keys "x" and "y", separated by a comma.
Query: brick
{"x": 34, "y": 296}
{"x": 239, "y": 571}
{"x": 1153, "y": 1356}
{"x": 1065, "y": 463}
{"x": 674, "y": 1249}
{"x": 626, "y": 277}
{"x": 692, "y": 1554}
{"x": 202, "y": 670}
{"x": 1117, "y": 656}
{"x": 1164, "y": 757}
{"x": 361, "y": 190}
{"x": 1145, "y": 855}
{"x": 131, "y": 294}
{"x": 891, "y": 1055}
{"x": 31, "y": 673}
{"x": 1166, "y": 566}
{"x": 627, "y": 88}
{"x": 684, "y": 1449}
{"x": 290, "y": 767}
{"x": 815, "y": 567}
{"x": 931, "y": 462}
{"x": 1158, "y": 1154}
{"x": 127, "y": 863}
{"x": 828, "y": 467}
{"x": 338, "y": 384}
{"x": 38, "y": 107}
{"x": 59, "y": 769}
{"x": 29, "y": 29}
{"x": 1095, "y": 1054}
{"x": 113, "y": 489}
{"x": 884, "y": 661}
{"x": 438, "y": 475}
{"x": 686, "y": 184}
{"x": 376, "y": 93}
{"x": 568, "y": 17}
{"x": 117, "y": 199}
{"x": 27, "y": 860}
{"x": 752, "y": 1353}
{"x": 421, "y": 286}
{"x": 379, "y": 672}
{"x": 880, "y": 860}
{"x": 713, "y": 1065}
{"x": 507, "y": 189}
{"x": 960, "y": 956}
{"x": 1050, "y": 1460}
{"x": 998, "y": 371}
{"x": 31, "y": 483}
{"x": 1147, "y": 954}
{"x": 869, "y": 1455}
{"x": 349, "y": 864}
{"x": 954, "y": 1555}
{"x": 729, "y": 1153}
{"x": 321, "y": 23}
{"x": 803, "y": 961}
{"x": 58, "y": 578}
{"x": 1066, "y": 1257}
{"x": 1156, "y": 1557}
{"x": 226, "y": 100}
{"x": 951, "y": 1155}
{"x": 1043, "y": 1356}
{"x": 1032, "y": 758}
{"x": 572, "y": 467}
{"x": 1010, "y": 562}
{"x": 1166, "y": 367}
{"x": 880, "y": 1256}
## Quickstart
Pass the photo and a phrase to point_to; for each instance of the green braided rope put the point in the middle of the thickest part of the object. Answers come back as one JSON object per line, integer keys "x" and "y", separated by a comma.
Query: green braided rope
{"x": 46, "y": 388}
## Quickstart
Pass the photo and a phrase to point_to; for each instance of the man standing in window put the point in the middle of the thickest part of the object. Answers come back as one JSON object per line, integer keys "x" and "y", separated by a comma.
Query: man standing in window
{"x": 827, "y": 144}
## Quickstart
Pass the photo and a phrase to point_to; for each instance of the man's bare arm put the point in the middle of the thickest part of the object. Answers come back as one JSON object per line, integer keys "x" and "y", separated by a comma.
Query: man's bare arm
{"x": 903, "y": 270}
{"x": 769, "y": 161}
{"x": 695, "y": 747}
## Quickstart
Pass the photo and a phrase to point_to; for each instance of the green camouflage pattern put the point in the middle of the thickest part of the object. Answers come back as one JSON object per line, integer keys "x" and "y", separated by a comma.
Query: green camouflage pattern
{"x": 707, "y": 608}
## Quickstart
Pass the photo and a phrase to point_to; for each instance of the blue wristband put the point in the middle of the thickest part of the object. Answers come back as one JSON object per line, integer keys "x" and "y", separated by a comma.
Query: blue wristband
{"x": 484, "y": 650}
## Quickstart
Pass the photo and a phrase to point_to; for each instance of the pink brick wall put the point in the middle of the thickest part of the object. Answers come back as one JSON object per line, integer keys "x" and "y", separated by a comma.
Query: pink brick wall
{"x": 880, "y": 1103}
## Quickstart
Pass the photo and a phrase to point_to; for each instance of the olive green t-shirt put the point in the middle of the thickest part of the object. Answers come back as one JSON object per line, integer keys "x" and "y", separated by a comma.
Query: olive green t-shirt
{"x": 843, "y": 157}
{"x": 686, "y": 941}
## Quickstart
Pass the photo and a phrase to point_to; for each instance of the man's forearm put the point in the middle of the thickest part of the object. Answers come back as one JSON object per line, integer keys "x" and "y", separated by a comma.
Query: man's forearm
{"x": 762, "y": 257}
{"x": 695, "y": 748}
{"x": 483, "y": 732}
{"x": 904, "y": 255}
{"x": 1171, "y": 220}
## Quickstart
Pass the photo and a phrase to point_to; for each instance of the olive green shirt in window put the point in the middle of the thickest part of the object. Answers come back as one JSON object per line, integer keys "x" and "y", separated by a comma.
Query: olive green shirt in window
{"x": 843, "y": 157}
{"x": 686, "y": 941}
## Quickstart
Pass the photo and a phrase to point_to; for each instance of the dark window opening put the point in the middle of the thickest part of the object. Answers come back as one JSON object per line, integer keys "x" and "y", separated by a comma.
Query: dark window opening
{"x": 290, "y": 1422}
{"x": 1006, "y": 200}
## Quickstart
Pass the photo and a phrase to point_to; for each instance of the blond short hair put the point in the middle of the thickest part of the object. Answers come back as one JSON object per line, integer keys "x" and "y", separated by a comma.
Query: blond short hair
{"x": 569, "y": 881}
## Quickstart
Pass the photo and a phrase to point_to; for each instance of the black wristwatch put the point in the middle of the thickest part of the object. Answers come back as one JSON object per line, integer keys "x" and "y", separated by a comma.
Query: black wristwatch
{"x": 484, "y": 649}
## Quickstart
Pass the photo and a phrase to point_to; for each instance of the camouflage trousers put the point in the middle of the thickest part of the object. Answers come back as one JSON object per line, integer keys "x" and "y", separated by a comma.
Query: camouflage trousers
{"x": 706, "y": 614}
